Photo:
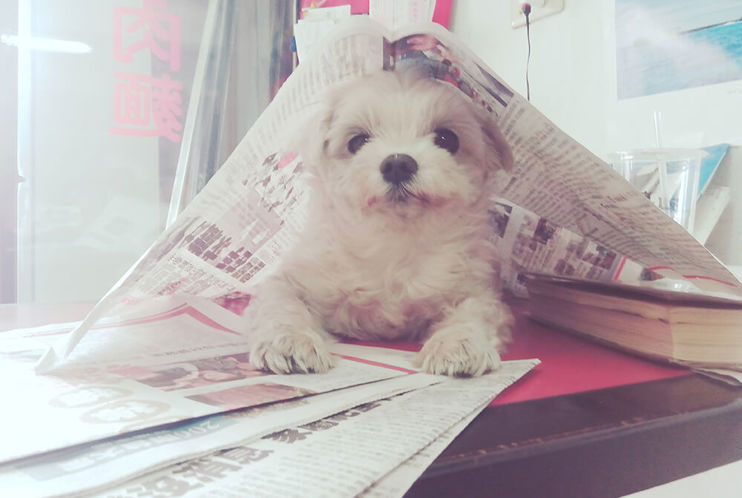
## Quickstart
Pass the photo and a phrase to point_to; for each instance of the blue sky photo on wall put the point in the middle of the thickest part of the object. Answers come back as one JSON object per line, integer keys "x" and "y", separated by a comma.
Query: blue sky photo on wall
{"x": 668, "y": 45}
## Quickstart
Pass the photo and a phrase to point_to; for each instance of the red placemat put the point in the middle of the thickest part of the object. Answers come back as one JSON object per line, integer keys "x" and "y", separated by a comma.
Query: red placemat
{"x": 569, "y": 364}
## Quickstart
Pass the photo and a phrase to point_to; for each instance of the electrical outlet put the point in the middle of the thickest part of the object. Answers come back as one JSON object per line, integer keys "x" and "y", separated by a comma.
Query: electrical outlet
{"x": 539, "y": 10}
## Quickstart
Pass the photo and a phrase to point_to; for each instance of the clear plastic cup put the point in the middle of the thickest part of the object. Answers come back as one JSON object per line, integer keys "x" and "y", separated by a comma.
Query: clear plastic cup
{"x": 668, "y": 177}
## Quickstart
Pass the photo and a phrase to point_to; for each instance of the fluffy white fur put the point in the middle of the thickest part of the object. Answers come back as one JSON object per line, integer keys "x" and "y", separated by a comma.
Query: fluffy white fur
{"x": 382, "y": 263}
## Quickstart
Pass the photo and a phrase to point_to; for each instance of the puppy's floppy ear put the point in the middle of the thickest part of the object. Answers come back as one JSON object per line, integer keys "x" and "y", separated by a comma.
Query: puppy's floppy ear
{"x": 499, "y": 154}
{"x": 312, "y": 142}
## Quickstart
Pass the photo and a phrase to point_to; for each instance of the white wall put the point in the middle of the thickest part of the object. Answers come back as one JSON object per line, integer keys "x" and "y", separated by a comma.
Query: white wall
{"x": 568, "y": 73}
{"x": 573, "y": 82}
{"x": 573, "y": 79}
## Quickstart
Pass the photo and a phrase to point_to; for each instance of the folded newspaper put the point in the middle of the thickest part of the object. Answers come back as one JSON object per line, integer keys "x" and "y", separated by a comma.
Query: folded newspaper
{"x": 562, "y": 211}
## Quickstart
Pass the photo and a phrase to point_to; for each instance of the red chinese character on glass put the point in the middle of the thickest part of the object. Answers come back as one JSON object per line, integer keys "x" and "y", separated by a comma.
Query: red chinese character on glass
{"x": 148, "y": 28}
{"x": 146, "y": 106}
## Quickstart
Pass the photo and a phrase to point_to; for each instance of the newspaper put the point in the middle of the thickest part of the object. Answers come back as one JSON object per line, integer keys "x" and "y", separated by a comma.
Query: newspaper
{"x": 343, "y": 455}
{"x": 235, "y": 230}
{"x": 536, "y": 244}
{"x": 101, "y": 465}
{"x": 399, "y": 480}
{"x": 97, "y": 396}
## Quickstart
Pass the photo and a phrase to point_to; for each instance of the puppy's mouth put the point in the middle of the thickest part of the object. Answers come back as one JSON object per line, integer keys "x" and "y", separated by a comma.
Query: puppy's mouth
{"x": 402, "y": 194}
{"x": 398, "y": 197}
{"x": 402, "y": 198}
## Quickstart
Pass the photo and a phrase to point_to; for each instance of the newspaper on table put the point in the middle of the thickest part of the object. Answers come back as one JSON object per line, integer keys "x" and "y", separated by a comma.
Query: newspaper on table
{"x": 401, "y": 479}
{"x": 376, "y": 449}
{"x": 208, "y": 372}
{"x": 103, "y": 464}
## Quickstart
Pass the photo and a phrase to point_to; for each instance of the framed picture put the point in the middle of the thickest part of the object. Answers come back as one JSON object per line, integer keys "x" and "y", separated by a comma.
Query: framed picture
{"x": 668, "y": 45}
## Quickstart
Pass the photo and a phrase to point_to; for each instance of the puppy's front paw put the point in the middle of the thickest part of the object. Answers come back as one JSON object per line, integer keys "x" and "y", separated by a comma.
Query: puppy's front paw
{"x": 291, "y": 352}
{"x": 456, "y": 354}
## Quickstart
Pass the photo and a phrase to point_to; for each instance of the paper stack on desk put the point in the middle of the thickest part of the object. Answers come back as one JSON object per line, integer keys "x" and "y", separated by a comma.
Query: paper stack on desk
{"x": 196, "y": 424}
{"x": 376, "y": 449}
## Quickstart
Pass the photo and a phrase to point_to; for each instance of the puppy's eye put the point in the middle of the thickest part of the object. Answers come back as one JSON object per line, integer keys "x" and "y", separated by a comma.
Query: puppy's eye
{"x": 358, "y": 141}
{"x": 446, "y": 139}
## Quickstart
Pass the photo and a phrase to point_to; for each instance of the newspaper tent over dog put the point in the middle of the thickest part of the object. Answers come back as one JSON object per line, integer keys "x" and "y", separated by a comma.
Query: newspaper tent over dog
{"x": 563, "y": 210}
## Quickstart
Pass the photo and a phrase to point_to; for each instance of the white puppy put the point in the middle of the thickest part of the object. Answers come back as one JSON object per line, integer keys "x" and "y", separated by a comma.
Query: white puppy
{"x": 395, "y": 245}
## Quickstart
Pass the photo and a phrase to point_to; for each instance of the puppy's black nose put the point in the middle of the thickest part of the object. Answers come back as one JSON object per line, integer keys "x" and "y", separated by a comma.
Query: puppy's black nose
{"x": 398, "y": 168}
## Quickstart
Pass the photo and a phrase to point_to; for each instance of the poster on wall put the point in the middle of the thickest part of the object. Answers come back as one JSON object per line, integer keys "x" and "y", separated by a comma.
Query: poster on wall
{"x": 668, "y": 45}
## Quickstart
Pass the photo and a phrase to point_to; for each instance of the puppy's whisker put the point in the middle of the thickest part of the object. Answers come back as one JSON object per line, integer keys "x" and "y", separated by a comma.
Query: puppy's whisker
{"x": 402, "y": 193}
{"x": 410, "y": 193}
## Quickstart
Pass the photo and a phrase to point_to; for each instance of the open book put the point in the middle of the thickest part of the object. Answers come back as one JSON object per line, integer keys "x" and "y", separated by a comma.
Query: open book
{"x": 700, "y": 330}
{"x": 562, "y": 210}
